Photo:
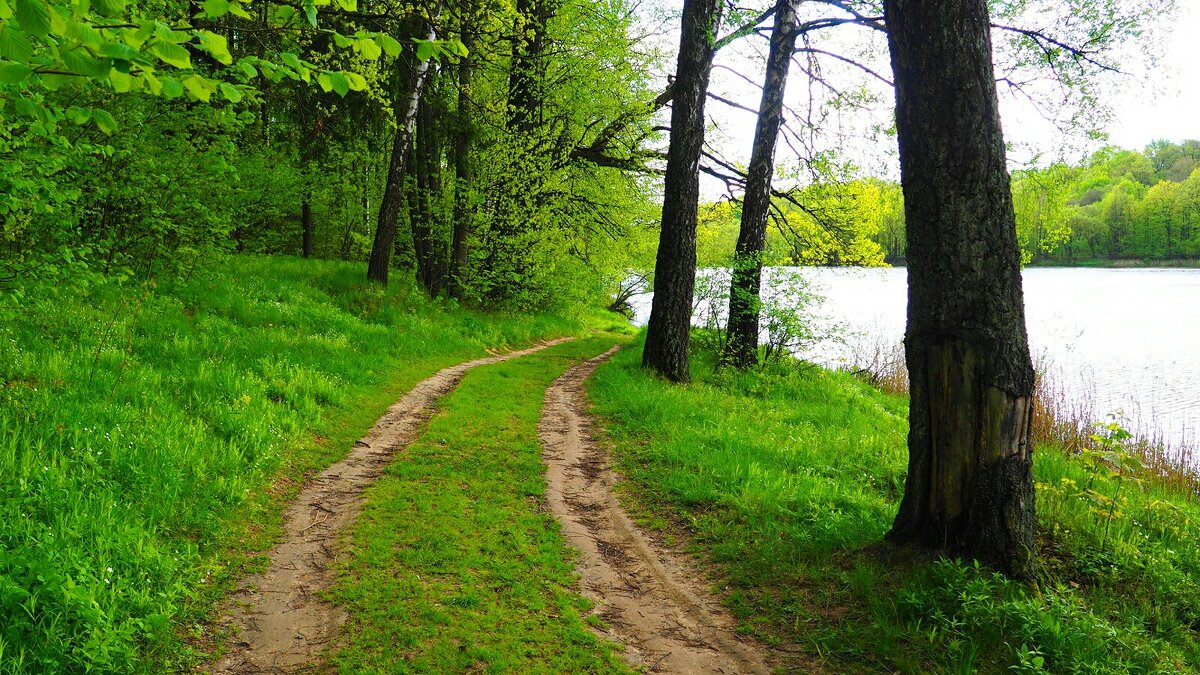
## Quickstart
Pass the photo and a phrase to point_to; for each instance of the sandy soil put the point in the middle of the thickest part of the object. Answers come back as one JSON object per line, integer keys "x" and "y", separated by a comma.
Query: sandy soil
{"x": 653, "y": 600}
{"x": 279, "y": 623}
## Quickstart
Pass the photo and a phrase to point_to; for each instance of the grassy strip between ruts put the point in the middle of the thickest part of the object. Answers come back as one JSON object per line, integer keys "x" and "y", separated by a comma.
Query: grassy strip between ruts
{"x": 454, "y": 565}
{"x": 150, "y": 436}
{"x": 788, "y": 479}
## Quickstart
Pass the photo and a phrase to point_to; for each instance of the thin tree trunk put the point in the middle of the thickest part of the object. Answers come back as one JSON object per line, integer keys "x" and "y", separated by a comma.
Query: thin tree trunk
{"x": 432, "y": 198}
{"x": 741, "y": 350}
{"x": 462, "y": 168}
{"x": 970, "y": 484}
{"x": 306, "y": 222}
{"x": 422, "y": 219}
{"x": 344, "y": 249}
{"x": 666, "y": 349}
{"x": 393, "y": 194}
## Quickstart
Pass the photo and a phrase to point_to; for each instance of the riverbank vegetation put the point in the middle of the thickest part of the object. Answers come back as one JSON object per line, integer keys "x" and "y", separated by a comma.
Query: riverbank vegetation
{"x": 150, "y": 435}
{"x": 787, "y": 478}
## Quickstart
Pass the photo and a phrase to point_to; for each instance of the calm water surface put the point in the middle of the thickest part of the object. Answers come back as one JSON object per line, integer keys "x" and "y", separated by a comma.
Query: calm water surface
{"x": 1120, "y": 339}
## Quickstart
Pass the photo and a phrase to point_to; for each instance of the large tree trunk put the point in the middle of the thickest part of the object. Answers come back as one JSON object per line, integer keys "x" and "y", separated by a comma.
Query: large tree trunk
{"x": 970, "y": 485}
{"x": 462, "y": 168}
{"x": 525, "y": 74}
{"x": 306, "y": 222}
{"x": 393, "y": 193}
{"x": 741, "y": 350}
{"x": 666, "y": 349}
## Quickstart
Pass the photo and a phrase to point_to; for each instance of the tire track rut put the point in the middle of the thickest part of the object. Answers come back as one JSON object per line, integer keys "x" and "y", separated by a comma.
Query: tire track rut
{"x": 279, "y": 622}
{"x": 653, "y": 600}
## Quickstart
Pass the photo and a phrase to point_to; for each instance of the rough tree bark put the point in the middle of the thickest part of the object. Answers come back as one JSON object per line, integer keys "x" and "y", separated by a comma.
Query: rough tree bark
{"x": 741, "y": 349}
{"x": 525, "y": 73}
{"x": 425, "y": 156}
{"x": 393, "y": 193}
{"x": 666, "y": 349}
{"x": 462, "y": 166}
{"x": 970, "y": 485}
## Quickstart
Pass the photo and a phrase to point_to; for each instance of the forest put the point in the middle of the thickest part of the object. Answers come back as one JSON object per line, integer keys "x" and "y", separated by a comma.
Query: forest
{"x": 1118, "y": 206}
{"x": 313, "y": 353}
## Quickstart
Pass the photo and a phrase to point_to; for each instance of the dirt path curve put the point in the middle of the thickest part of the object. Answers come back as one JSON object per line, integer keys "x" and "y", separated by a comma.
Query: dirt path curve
{"x": 653, "y": 600}
{"x": 280, "y": 623}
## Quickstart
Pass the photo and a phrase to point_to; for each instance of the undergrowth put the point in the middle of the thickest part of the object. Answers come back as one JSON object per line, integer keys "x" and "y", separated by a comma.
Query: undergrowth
{"x": 150, "y": 433}
{"x": 788, "y": 478}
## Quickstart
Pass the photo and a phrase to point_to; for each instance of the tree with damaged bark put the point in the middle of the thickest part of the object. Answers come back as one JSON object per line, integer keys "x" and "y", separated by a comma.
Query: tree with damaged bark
{"x": 970, "y": 481}
{"x": 666, "y": 348}
{"x": 741, "y": 347}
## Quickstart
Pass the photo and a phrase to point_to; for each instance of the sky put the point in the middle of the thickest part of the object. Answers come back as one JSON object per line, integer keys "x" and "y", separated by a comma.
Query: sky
{"x": 1175, "y": 113}
{"x": 1149, "y": 103}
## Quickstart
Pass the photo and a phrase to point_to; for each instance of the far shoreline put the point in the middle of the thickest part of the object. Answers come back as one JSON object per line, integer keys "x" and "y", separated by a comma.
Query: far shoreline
{"x": 1092, "y": 263}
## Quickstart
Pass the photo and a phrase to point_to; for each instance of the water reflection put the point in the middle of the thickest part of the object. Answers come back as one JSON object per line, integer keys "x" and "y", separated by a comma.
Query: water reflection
{"x": 1127, "y": 339}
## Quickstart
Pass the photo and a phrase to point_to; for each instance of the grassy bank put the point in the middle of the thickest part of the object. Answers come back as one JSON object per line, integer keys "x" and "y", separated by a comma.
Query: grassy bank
{"x": 455, "y": 566}
{"x": 149, "y": 435}
{"x": 788, "y": 479}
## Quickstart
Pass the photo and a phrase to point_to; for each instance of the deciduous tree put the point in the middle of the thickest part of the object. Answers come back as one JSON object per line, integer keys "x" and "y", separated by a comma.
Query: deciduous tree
{"x": 970, "y": 481}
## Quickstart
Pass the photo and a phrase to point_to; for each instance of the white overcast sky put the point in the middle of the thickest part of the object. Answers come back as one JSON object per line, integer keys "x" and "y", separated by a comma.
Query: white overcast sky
{"x": 1168, "y": 104}
{"x": 1160, "y": 102}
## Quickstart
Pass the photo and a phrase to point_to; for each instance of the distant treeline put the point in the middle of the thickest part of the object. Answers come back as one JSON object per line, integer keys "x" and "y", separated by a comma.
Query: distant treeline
{"x": 1118, "y": 205}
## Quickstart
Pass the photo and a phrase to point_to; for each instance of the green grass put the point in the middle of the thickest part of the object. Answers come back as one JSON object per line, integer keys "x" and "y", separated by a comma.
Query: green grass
{"x": 454, "y": 565}
{"x": 150, "y": 434}
{"x": 788, "y": 479}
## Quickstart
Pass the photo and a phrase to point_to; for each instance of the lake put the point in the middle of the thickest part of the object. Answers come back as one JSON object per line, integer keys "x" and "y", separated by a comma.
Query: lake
{"x": 1120, "y": 339}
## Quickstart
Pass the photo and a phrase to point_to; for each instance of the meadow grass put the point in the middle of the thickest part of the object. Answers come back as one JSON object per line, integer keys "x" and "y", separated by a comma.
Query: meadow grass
{"x": 786, "y": 479}
{"x": 150, "y": 434}
{"x": 455, "y": 564}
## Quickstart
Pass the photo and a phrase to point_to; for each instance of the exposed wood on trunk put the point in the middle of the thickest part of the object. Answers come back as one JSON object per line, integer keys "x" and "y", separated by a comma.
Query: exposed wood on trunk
{"x": 393, "y": 194}
{"x": 666, "y": 350}
{"x": 969, "y": 483}
{"x": 742, "y": 346}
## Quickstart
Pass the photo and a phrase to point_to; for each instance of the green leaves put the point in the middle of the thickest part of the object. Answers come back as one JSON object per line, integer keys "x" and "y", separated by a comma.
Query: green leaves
{"x": 78, "y": 60}
{"x": 230, "y": 92}
{"x": 215, "y": 9}
{"x": 171, "y": 53}
{"x": 368, "y": 48}
{"x": 217, "y": 46}
{"x": 119, "y": 50}
{"x": 15, "y": 45}
{"x": 104, "y": 121}
{"x": 390, "y": 45}
{"x": 341, "y": 82}
{"x": 425, "y": 49}
{"x": 34, "y": 17}
{"x": 200, "y": 88}
{"x": 14, "y": 72}
{"x": 121, "y": 82}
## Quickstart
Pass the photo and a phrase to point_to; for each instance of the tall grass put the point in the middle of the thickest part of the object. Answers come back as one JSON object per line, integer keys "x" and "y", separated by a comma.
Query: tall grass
{"x": 136, "y": 420}
{"x": 786, "y": 479}
{"x": 1063, "y": 418}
